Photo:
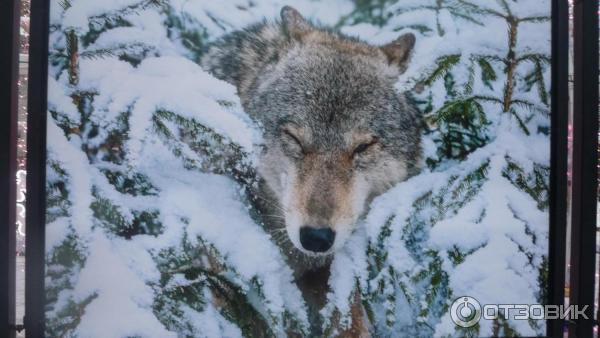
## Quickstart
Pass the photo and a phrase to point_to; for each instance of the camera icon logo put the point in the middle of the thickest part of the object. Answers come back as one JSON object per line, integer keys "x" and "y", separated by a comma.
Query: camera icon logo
{"x": 465, "y": 311}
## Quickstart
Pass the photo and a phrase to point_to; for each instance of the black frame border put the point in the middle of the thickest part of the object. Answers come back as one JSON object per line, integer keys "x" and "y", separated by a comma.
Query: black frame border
{"x": 558, "y": 161}
{"x": 585, "y": 161}
{"x": 36, "y": 168}
{"x": 9, "y": 67}
{"x": 36, "y": 143}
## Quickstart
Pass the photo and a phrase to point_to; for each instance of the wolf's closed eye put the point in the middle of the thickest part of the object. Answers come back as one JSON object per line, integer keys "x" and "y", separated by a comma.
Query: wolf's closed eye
{"x": 293, "y": 144}
{"x": 361, "y": 148}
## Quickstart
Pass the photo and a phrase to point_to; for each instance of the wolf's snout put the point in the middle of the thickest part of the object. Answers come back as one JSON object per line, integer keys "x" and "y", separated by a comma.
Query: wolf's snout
{"x": 316, "y": 239}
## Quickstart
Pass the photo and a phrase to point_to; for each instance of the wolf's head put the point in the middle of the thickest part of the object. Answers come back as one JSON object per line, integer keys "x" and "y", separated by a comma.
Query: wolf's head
{"x": 337, "y": 132}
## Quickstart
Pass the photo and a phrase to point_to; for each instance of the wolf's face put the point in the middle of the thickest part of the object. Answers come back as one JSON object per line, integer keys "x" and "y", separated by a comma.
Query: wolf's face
{"x": 337, "y": 132}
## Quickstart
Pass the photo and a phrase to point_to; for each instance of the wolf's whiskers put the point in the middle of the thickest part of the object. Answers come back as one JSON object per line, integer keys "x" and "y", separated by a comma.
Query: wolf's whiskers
{"x": 273, "y": 216}
{"x": 270, "y": 202}
{"x": 278, "y": 230}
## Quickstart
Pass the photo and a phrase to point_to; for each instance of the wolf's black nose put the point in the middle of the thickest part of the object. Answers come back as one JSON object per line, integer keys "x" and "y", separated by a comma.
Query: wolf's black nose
{"x": 316, "y": 239}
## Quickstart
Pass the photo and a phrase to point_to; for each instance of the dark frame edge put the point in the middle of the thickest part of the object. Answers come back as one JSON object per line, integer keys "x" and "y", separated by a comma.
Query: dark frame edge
{"x": 36, "y": 168}
{"x": 9, "y": 68}
{"x": 558, "y": 161}
{"x": 585, "y": 156}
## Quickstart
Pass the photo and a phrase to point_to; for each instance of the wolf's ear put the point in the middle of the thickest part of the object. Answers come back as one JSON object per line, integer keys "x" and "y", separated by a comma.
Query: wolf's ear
{"x": 294, "y": 24}
{"x": 398, "y": 51}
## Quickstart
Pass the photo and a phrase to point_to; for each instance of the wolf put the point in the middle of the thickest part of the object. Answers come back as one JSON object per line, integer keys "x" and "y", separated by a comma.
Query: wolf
{"x": 336, "y": 134}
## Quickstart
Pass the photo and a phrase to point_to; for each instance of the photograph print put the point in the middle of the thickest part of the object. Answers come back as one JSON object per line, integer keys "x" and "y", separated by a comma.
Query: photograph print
{"x": 310, "y": 168}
